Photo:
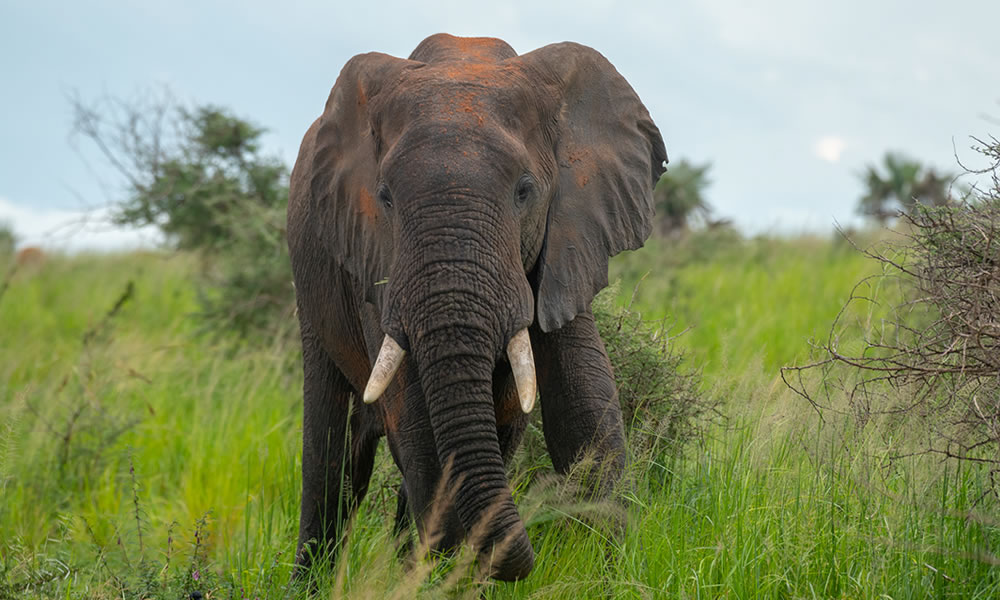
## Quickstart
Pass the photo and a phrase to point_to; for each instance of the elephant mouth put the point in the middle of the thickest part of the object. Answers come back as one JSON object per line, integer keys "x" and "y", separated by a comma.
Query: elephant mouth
{"x": 522, "y": 364}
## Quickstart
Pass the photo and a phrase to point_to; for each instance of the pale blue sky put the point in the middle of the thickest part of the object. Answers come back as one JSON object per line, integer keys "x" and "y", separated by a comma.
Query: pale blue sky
{"x": 788, "y": 99}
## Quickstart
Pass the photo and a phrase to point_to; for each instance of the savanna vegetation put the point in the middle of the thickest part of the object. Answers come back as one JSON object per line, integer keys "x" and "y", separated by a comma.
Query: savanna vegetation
{"x": 148, "y": 450}
{"x": 140, "y": 459}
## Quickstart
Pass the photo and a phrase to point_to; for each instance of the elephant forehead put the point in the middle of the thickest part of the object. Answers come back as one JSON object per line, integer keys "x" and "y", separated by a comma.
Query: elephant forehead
{"x": 442, "y": 47}
{"x": 471, "y": 92}
{"x": 449, "y": 152}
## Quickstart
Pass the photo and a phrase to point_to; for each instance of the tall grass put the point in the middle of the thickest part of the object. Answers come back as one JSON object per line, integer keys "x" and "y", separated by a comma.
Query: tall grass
{"x": 85, "y": 397}
{"x": 140, "y": 460}
{"x": 743, "y": 302}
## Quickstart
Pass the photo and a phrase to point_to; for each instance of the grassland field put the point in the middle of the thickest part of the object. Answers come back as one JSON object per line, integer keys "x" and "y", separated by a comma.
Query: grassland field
{"x": 140, "y": 458}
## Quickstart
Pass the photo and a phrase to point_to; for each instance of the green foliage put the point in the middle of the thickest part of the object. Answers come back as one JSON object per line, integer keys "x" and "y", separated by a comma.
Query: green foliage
{"x": 679, "y": 196}
{"x": 198, "y": 175}
{"x": 200, "y": 190}
{"x": 768, "y": 504}
{"x": 661, "y": 402}
{"x": 112, "y": 383}
{"x": 904, "y": 185}
{"x": 663, "y": 408}
{"x": 747, "y": 303}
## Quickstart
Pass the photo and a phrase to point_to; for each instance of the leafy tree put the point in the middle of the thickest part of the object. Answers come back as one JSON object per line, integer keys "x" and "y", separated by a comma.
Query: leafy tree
{"x": 198, "y": 175}
{"x": 679, "y": 197}
{"x": 903, "y": 184}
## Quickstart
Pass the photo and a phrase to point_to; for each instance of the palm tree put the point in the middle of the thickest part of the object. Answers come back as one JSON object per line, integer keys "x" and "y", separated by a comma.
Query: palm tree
{"x": 678, "y": 196}
{"x": 905, "y": 183}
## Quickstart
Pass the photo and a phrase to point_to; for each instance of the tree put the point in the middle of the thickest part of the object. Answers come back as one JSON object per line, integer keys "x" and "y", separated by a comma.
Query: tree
{"x": 904, "y": 184}
{"x": 198, "y": 175}
{"x": 679, "y": 196}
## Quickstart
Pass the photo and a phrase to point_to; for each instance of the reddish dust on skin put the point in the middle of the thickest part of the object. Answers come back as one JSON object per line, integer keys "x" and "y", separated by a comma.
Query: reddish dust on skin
{"x": 583, "y": 166}
{"x": 390, "y": 406}
{"x": 483, "y": 49}
{"x": 366, "y": 204}
{"x": 465, "y": 104}
{"x": 478, "y": 47}
{"x": 466, "y": 72}
{"x": 362, "y": 97}
{"x": 477, "y": 67}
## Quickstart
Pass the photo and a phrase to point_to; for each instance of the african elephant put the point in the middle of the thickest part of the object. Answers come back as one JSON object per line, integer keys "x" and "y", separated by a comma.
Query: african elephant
{"x": 444, "y": 210}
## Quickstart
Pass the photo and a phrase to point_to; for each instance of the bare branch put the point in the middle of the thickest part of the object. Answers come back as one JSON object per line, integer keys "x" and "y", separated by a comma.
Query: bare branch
{"x": 933, "y": 353}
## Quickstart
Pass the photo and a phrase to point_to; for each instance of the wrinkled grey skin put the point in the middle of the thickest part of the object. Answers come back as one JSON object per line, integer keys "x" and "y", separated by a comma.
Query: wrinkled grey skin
{"x": 450, "y": 200}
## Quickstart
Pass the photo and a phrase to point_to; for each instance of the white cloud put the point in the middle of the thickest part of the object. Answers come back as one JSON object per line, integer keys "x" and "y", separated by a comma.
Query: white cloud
{"x": 73, "y": 230}
{"x": 829, "y": 148}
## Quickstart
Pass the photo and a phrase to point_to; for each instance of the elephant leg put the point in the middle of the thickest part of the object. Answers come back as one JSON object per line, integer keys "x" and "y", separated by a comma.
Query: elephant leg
{"x": 364, "y": 447}
{"x": 401, "y": 524}
{"x": 581, "y": 416}
{"x": 402, "y": 520}
{"x": 338, "y": 447}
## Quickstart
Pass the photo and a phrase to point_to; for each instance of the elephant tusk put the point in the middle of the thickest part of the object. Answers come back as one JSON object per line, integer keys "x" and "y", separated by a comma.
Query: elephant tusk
{"x": 386, "y": 365}
{"x": 522, "y": 363}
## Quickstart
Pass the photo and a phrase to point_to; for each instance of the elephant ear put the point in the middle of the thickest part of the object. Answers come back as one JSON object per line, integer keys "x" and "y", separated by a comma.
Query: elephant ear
{"x": 332, "y": 195}
{"x": 609, "y": 155}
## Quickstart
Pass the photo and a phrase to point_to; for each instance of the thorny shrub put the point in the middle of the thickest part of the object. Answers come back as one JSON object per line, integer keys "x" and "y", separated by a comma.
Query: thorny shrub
{"x": 935, "y": 357}
{"x": 662, "y": 406}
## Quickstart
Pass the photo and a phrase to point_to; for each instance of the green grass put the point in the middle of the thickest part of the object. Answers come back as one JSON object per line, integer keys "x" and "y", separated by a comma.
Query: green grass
{"x": 742, "y": 303}
{"x": 136, "y": 456}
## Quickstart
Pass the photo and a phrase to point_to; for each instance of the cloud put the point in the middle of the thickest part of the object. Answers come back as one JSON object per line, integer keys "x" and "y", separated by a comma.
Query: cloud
{"x": 73, "y": 230}
{"x": 829, "y": 148}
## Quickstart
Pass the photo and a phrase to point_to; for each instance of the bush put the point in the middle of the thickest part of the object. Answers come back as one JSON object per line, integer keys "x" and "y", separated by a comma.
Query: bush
{"x": 662, "y": 406}
{"x": 936, "y": 358}
{"x": 198, "y": 175}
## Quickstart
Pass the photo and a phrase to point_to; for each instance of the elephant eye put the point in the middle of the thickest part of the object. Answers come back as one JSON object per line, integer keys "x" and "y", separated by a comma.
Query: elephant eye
{"x": 384, "y": 197}
{"x": 525, "y": 189}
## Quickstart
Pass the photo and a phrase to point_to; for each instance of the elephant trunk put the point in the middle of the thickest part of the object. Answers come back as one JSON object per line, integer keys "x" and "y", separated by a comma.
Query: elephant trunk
{"x": 458, "y": 297}
{"x": 458, "y": 388}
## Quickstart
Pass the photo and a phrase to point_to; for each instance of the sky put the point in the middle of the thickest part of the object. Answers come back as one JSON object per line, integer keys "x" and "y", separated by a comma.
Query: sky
{"x": 787, "y": 99}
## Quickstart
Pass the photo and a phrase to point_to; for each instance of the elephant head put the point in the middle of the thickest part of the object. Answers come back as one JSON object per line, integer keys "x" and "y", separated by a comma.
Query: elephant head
{"x": 469, "y": 193}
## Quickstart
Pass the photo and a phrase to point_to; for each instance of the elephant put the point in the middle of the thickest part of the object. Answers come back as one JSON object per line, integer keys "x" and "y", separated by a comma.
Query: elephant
{"x": 450, "y": 219}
